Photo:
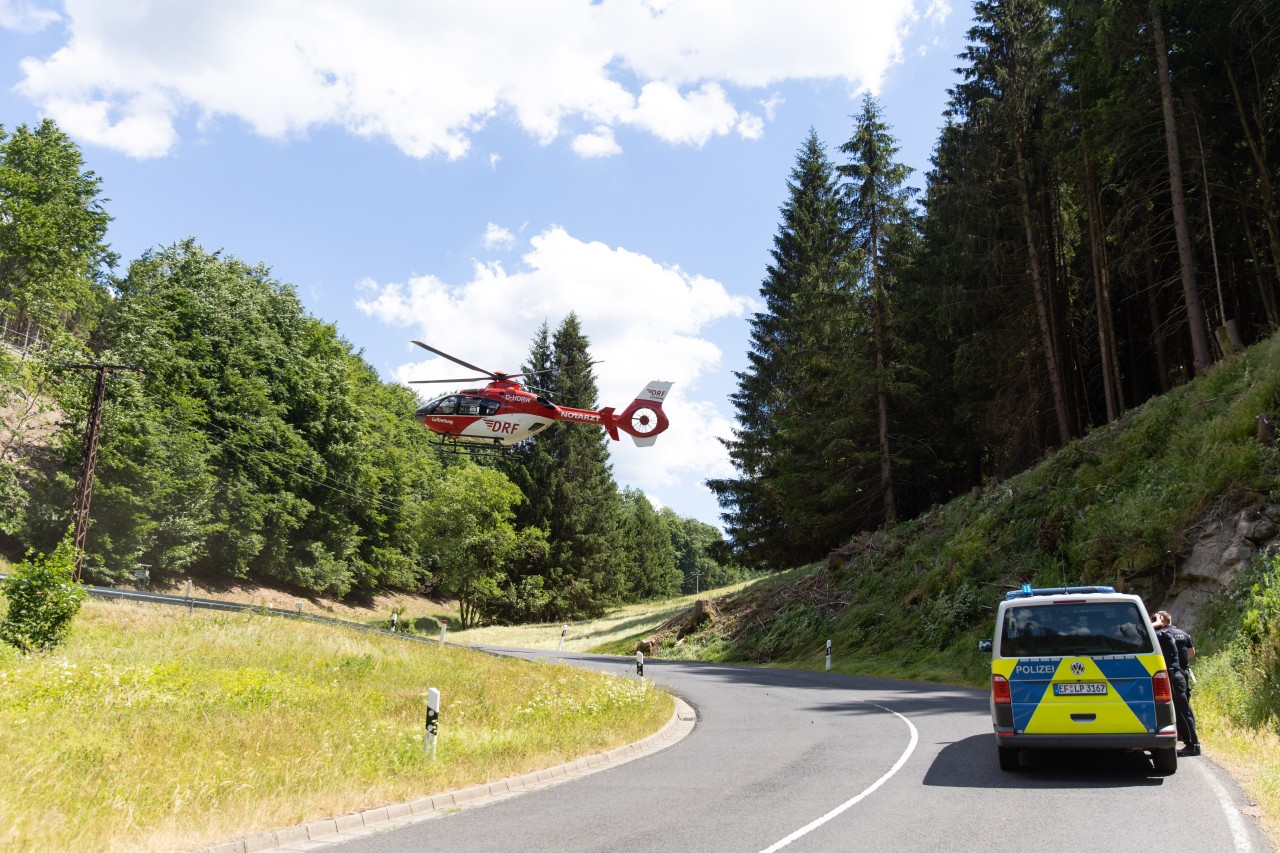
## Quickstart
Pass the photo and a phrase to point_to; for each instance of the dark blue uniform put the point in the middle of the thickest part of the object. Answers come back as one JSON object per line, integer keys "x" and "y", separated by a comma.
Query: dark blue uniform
{"x": 1176, "y": 660}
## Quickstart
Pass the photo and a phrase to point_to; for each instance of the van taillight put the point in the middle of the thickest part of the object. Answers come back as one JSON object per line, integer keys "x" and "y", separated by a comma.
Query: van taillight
{"x": 1160, "y": 687}
{"x": 1000, "y": 689}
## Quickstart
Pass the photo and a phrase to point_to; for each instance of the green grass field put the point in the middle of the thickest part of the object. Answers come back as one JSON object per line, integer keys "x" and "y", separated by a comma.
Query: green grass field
{"x": 157, "y": 729}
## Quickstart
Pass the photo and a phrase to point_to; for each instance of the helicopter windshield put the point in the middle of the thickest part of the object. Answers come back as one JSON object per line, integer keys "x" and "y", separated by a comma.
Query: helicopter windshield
{"x": 458, "y": 404}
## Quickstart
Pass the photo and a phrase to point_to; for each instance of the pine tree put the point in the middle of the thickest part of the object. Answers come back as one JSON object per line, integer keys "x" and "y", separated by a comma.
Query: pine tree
{"x": 785, "y": 506}
{"x": 652, "y": 565}
{"x": 584, "y": 527}
{"x": 880, "y": 218}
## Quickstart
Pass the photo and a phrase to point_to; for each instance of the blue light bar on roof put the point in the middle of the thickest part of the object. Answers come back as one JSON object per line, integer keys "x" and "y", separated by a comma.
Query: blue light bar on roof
{"x": 1027, "y": 591}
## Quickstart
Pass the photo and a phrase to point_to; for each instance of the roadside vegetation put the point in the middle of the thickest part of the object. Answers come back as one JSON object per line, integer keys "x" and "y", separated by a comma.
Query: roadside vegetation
{"x": 159, "y": 729}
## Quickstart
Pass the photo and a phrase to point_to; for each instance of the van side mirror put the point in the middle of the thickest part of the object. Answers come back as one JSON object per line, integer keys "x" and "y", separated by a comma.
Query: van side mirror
{"x": 984, "y": 646}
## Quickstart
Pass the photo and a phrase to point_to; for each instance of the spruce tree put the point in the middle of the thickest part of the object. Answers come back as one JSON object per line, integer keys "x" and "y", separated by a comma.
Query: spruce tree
{"x": 880, "y": 220}
{"x": 585, "y": 524}
{"x": 778, "y": 510}
{"x": 652, "y": 558}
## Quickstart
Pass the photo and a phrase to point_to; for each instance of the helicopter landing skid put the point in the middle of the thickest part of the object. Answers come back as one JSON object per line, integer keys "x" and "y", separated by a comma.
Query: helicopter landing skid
{"x": 455, "y": 445}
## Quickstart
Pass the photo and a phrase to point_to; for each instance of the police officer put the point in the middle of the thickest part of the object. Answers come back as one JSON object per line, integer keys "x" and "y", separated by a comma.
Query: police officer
{"x": 1186, "y": 647}
{"x": 1173, "y": 661}
{"x": 1186, "y": 654}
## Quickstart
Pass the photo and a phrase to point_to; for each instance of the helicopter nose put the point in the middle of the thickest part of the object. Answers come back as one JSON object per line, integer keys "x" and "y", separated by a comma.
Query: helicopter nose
{"x": 421, "y": 412}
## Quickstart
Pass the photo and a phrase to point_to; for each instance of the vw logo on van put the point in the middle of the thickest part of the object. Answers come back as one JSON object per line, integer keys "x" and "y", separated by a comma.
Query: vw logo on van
{"x": 1077, "y": 668}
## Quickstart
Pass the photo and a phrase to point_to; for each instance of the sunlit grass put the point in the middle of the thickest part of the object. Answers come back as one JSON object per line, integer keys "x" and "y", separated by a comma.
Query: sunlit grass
{"x": 1252, "y": 756}
{"x": 632, "y": 621}
{"x": 159, "y": 729}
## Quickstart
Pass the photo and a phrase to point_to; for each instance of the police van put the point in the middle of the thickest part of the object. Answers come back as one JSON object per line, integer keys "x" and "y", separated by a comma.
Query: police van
{"x": 1079, "y": 667}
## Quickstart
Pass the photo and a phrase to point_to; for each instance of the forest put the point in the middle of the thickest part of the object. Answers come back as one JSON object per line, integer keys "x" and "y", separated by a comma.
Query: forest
{"x": 242, "y": 438}
{"x": 1099, "y": 225}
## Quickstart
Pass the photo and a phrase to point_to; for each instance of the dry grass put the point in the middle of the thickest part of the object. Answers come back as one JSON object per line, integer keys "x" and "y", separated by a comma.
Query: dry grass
{"x": 1253, "y": 758}
{"x": 621, "y": 624}
{"x": 157, "y": 729}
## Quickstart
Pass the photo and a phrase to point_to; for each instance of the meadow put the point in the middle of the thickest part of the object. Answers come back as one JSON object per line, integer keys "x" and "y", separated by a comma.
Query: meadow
{"x": 154, "y": 728}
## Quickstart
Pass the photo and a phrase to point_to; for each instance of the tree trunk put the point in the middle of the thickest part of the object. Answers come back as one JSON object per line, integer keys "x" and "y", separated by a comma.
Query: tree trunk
{"x": 1042, "y": 301}
{"x": 1266, "y": 288}
{"x": 882, "y": 407}
{"x": 1102, "y": 298}
{"x": 882, "y": 397}
{"x": 1157, "y": 335}
{"x": 1201, "y": 355}
{"x": 1257, "y": 143}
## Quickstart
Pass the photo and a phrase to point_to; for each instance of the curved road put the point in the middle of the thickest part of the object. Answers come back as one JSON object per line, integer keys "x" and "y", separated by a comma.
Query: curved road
{"x": 812, "y": 761}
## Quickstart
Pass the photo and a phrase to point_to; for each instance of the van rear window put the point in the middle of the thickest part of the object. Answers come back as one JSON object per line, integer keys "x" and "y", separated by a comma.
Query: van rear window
{"x": 1074, "y": 628}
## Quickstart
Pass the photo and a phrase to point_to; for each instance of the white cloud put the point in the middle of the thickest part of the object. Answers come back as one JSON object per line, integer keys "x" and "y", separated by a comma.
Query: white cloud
{"x": 598, "y": 143}
{"x": 690, "y": 119}
{"x": 23, "y": 16}
{"x": 427, "y": 74}
{"x": 497, "y": 237}
{"x": 645, "y": 321}
{"x": 771, "y": 105}
{"x": 938, "y": 11}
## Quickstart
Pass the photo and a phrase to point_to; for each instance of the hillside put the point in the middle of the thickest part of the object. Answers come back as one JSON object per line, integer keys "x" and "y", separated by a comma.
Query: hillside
{"x": 1170, "y": 501}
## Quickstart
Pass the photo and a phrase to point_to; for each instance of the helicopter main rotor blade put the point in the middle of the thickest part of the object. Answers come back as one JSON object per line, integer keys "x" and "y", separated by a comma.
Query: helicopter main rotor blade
{"x": 466, "y": 379}
{"x": 551, "y": 369}
{"x": 488, "y": 373}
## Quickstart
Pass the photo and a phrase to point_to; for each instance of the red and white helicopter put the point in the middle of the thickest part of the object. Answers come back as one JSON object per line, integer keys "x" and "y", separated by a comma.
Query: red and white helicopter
{"x": 504, "y": 413}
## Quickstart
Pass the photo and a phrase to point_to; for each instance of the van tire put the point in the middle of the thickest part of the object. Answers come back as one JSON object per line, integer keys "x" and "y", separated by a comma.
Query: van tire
{"x": 1009, "y": 759}
{"x": 1165, "y": 761}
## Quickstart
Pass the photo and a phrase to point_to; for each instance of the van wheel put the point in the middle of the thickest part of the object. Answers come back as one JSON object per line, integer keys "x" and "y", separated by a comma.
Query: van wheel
{"x": 1165, "y": 761}
{"x": 1008, "y": 759}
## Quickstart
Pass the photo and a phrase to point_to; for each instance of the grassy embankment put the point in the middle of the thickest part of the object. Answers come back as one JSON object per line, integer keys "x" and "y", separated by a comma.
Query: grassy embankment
{"x": 157, "y": 729}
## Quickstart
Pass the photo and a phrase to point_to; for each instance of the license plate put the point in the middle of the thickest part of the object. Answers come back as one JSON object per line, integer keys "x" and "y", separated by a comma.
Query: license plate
{"x": 1081, "y": 688}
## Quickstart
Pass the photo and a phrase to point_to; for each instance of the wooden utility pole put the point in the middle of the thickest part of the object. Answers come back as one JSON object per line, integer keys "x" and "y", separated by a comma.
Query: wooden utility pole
{"x": 85, "y": 492}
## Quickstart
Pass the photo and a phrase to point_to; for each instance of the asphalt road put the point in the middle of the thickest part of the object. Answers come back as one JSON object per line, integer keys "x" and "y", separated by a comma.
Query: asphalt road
{"x": 811, "y": 761}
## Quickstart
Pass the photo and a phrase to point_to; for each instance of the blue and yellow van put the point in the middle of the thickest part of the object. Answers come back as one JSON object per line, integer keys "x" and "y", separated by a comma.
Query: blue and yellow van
{"x": 1079, "y": 667}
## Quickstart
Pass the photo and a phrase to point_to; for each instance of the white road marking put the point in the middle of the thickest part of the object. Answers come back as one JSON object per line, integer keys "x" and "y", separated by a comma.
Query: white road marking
{"x": 840, "y": 809}
{"x": 1239, "y": 832}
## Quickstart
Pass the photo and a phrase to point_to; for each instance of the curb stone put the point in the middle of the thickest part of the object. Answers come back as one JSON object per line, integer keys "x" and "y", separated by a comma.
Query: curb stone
{"x": 310, "y": 836}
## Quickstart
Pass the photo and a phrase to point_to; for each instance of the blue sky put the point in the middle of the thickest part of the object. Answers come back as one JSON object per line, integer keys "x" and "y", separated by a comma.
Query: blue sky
{"x": 461, "y": 172}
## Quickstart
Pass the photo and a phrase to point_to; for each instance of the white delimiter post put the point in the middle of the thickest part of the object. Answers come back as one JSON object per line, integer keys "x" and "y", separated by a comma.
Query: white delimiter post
{"x": 828, "y": 655}
{"x": 563, "y": 630}
{"x": 444, "y": 626}
{"x": 640, "y": 664}
{"x": 433, "y": 723}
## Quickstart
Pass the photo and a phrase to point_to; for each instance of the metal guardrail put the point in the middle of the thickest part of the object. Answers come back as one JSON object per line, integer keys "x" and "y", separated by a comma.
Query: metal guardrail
{"x": 234, "y": 607}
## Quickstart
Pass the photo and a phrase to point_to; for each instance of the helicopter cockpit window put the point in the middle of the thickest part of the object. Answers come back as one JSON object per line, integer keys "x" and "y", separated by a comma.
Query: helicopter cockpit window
{"x": 477, "y": 406}
{"x": 445, "y": 406}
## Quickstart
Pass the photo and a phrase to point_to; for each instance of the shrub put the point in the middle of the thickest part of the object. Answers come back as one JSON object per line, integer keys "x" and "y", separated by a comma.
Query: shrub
{"x": 43, "y": 599}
